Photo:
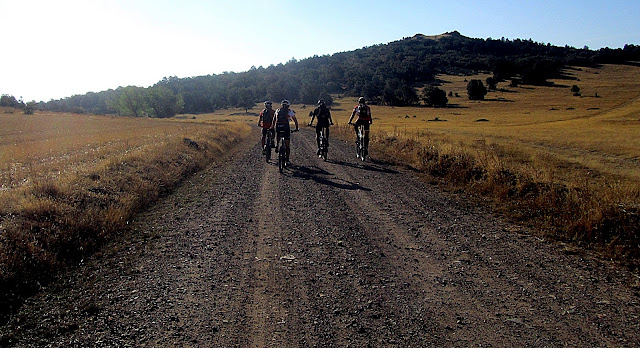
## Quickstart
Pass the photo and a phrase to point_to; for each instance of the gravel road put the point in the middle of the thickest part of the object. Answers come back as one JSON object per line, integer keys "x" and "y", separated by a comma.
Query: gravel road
{"x": 337, "y": 253}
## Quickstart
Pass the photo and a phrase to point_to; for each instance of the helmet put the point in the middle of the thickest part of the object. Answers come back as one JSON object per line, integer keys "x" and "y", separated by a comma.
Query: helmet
{"x": 361, "y": 100}
{"x": 321, "y": 102}
{"x": 285, "y": 103}
{"x": 267, "y": 102}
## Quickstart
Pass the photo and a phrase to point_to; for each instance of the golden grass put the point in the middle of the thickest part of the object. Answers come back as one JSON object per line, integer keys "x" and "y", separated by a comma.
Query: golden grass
{"x": 541, "y": 154}
{"x": 71, "y": 182}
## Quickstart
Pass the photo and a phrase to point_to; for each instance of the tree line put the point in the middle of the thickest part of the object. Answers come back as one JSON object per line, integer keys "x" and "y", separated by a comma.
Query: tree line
{"x": 11, "y": 101}
{"x": 386, "y": 74}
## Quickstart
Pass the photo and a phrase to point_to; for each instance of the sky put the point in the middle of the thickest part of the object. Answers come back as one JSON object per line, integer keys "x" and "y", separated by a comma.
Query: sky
{"x": 56, "y": 49}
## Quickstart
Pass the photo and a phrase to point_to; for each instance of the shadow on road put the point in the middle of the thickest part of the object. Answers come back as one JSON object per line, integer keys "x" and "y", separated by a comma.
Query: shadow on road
{"x": 320, "y": 176}
{"x": 366, "y": 166}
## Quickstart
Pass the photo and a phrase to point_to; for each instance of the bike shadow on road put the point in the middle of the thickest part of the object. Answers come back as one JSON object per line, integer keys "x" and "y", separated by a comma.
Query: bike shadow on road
{"x": 376, "y": 167}
{"x": 320, "y": 176}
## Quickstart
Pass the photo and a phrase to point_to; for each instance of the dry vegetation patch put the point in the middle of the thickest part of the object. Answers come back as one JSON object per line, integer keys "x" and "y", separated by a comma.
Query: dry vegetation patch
{"x": 68, "y": 183}
{"x": 570, "y": 164}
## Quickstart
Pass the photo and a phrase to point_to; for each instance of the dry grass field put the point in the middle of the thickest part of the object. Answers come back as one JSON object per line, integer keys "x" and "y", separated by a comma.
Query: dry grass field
{"x": 70, "y": 182}
{"x": 568, "y": 163}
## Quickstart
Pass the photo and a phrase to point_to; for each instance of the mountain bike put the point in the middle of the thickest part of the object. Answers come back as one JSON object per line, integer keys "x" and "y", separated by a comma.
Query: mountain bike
{"x": 324, "y": 144}
{"x": 361, "y": 147}
{"x": 268, "y": 144}
{"x": 282, "y": 151}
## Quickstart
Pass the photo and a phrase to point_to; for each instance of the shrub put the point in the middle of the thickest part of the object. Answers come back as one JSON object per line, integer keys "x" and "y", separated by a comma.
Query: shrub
{"x": 434, "y": 96}
{"x": 476, "y": 90}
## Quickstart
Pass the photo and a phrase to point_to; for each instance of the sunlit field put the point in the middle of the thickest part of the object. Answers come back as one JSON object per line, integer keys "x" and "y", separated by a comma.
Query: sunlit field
{"x": 68, "y": 183}
{"x": 44, "y": 146}
{"x": 542, "y": 145}
{"x": 586, "y": 136}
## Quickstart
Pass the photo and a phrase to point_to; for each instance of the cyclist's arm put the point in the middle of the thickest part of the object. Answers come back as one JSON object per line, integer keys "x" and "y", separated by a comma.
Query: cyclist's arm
{"x": 330, "y": 119}
{"x": 352, "y": 114}
{"x": 260, "y": 120}
{"x": 295, "y": 120}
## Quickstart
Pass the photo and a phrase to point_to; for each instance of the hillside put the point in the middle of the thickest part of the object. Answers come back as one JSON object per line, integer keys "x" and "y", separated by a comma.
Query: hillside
{"x": 384, "y": 72}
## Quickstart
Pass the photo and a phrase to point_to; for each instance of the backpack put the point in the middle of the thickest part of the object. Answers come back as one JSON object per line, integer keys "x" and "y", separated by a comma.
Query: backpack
{"x": 363, "y": 112}
{"x": 267, "y": 117}
{"x": 323, "y": 113}
{"x": 283, "y": 116}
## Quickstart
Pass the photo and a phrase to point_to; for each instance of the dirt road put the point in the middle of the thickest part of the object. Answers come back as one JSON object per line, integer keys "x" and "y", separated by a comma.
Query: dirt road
{"x": 337, "y": 253}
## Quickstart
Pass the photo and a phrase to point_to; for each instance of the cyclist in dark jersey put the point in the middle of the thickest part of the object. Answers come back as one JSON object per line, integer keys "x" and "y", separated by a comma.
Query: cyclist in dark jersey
{"x": 324, "y": 120}
{"x": 281, "y": 120}
{"x": 363, "y": 111}
{"x": 266, "y": 118}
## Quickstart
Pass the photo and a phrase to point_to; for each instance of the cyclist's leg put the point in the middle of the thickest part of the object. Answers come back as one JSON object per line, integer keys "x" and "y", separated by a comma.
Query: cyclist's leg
{"x": 366, "y": 137}
{"x": 264, "y": 136}
{"x": 318, "y": 130}
{"x": 326, "y": 133}
{"x": 278, "y": 136}
{"x": 288, "y": 149}
{"x": 281, "y": 131}
{"x": 287, "y": 141}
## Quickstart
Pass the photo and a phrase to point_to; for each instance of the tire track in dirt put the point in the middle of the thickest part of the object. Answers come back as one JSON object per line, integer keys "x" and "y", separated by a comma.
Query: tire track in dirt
{"x": 499, "y": 288}
{"x": 265, "y": 310}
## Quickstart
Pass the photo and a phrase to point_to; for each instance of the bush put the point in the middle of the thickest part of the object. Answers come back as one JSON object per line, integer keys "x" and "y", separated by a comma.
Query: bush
{"x": 434, "y": 96}
{"x": 30, "y": 108}
{"x": 575, "y": 90}
{"x": 476, "y": 90}
{"x": 492, "y": 83}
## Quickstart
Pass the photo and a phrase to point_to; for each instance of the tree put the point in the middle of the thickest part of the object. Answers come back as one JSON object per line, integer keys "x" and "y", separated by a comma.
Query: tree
{"x": 434, "y": 96}
{"x": 537, "y": 73}
{"x": 476, "y": 90}
{"x": 328, "y": 100}
{"x": 309, "y": 92}
{"x": 245, "y": 99}
{"x": 9, "y": 101}
{"x": 163, "y": 102}
{"x": 130, "y": 101}
{"x": 407, "y": 95}
{"x": 575, "y": 90}
{"x": 399, "y": 93}
{"x": 30, "y": 108}
{"x": 492, "y": 83}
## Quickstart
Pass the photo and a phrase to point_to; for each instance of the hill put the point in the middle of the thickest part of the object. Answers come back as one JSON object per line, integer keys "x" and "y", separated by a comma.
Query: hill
{"x": 386, "y": 73}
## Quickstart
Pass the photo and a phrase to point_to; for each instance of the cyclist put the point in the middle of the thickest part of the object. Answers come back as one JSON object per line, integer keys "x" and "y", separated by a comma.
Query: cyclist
{"x": 266, "y": 118}
{"x": 281, "y": 120}
{"x": 324, "y": 120}
{"x": 364, "y": 118}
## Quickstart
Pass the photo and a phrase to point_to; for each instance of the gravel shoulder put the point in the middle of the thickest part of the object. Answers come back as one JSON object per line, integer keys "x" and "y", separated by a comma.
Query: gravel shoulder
{"x": 336, "y": 253}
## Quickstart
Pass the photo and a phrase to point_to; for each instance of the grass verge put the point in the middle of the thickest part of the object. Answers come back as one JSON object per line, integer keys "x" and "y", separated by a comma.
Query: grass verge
{"x": 49, "y": 225}
{"x": 603, "y": 217}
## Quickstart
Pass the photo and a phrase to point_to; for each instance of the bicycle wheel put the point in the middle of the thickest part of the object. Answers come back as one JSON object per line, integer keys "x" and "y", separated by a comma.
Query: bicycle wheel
{"x": 281, "y": 158}
{"x": 361, "y": 150}
{"x": 267, "y": 154}
{"x": 324, "y": 151}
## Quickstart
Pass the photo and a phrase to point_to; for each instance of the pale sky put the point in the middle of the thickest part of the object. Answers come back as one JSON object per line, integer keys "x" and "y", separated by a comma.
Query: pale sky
{"x": 55, "y": 49}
